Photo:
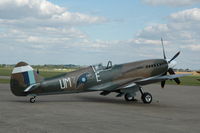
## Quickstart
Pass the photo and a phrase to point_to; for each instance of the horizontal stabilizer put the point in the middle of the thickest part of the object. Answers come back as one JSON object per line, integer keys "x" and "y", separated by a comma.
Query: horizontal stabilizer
{"x": 31, "y": 87}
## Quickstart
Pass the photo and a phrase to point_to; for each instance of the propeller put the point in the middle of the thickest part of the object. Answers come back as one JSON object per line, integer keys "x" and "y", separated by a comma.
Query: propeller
{"x": 163, "y": 49}
{"x": 163, "y": 82}
{"x": 176, "y": 55}
{"x": 170, "y": 70}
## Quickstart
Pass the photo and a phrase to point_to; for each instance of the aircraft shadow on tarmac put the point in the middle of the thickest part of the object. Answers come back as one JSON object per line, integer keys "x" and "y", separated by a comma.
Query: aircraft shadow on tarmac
{"x": 109, "y": 100}
{"x": 92, "y": 99}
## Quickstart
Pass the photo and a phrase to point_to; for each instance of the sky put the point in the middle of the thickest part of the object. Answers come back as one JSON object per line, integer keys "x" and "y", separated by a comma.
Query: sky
{"x": 93, "y": 31}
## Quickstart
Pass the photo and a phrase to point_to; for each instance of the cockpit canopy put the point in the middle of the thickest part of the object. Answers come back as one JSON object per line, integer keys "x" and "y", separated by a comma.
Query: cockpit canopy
{"x": 100, "y": 67}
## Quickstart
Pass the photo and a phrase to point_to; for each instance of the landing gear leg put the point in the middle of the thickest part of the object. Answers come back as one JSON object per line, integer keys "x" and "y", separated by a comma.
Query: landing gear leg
{"x": 145, "y": 96}
{"x": 32, "y": 99}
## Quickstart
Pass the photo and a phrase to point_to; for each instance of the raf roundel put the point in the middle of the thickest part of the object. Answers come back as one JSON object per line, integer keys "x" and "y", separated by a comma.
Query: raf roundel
{"x": 83, "y": 79}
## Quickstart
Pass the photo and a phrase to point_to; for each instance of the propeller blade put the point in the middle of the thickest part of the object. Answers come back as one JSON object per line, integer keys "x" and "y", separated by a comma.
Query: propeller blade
{"x": 171, "y": 71}
{"x": 163, "y": 84}
{"x": 163, "y": 49}
{"x": 177, "y": 80}
{"x": 174, "y": 56}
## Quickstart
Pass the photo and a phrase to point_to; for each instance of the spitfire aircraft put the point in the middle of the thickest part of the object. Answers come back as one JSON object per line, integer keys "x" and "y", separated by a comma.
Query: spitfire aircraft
{"x": 123, "y": 79}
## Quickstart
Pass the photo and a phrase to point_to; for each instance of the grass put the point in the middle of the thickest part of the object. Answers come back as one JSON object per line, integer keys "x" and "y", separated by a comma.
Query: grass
{"x": 43, "y": 72}
{"x": 187, "y": 80}
{"x": 4, "y": 81}
{"x": 5, "y": 71}
{"x": 50, "y": 73}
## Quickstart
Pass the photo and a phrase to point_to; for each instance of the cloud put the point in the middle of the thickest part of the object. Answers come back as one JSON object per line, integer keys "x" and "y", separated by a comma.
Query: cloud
{"x": 189, "y": 15}
{"x": 182, "y": 32}
{"x": 41, "y": 13}
{"x": 192, "y": 47}
{"x": 41, "y": 32}
{"x": 172, "y": 2}
{"x": 15, "y": 9}
{"x": 40, "y": 24}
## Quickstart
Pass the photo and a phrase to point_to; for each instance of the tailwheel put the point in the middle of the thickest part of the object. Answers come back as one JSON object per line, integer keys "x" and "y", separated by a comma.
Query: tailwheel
{"x": 128, "y": 97}
{"x": 32, "y": 99}
{"x": 147, "y": 98}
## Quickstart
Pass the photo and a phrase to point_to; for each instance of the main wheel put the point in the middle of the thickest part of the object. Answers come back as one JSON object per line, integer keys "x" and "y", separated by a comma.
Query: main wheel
{"x": 147, "y": 98}
{"x": 32, "y": 100}
{"x": 129, "y": 97}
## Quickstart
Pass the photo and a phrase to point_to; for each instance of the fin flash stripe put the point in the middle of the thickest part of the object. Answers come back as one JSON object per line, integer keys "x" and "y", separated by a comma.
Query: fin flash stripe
{"x": 29, "y": 77}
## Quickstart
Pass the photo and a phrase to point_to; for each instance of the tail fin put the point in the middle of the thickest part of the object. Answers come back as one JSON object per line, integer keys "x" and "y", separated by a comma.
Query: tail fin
{"x": 23, "y": 76}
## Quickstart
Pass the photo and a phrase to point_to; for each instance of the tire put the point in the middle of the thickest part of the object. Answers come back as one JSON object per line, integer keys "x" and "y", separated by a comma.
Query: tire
{"x": 128, "y": 97}
{"x": 32, "y": 100}
{"x": 147, "y": 98}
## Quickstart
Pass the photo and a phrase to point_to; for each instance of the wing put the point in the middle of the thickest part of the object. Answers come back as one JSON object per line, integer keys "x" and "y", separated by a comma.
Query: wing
{"x": 133, "y": 86}
{"x": 154, "y": 80}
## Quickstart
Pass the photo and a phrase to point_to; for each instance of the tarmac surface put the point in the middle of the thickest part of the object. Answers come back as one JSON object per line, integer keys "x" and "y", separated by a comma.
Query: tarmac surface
{"x": 4, "y": 77}
{"x": 176, "y": 109}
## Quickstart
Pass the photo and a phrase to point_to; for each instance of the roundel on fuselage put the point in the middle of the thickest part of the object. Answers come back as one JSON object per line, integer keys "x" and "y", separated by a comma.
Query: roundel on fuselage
{"x": 82, "y": 79}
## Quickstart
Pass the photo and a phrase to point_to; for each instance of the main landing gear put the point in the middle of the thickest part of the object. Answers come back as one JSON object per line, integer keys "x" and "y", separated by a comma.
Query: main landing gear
{"x": 32, "y": 99}
{"x": 145, "y": 96}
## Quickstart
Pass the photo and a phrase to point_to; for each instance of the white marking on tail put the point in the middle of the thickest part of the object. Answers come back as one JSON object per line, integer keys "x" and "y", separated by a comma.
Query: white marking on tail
{"x": 22, "y": 69}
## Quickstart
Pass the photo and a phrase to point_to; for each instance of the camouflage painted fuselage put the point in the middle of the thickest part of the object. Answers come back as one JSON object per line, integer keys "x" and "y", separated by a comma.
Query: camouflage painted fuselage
{"x": 92, "y": 78}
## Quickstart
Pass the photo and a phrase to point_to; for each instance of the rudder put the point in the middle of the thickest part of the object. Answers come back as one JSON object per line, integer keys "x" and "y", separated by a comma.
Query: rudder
{"x": 23, "y": 76}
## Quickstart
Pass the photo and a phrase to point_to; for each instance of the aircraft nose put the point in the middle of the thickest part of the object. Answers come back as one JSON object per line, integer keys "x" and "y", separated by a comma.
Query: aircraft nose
{"x": 172, "y": 64}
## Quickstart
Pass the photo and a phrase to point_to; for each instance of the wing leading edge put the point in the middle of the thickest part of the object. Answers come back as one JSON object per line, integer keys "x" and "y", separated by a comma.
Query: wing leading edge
{"x": 155, "y": 79}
